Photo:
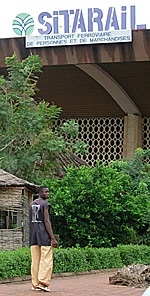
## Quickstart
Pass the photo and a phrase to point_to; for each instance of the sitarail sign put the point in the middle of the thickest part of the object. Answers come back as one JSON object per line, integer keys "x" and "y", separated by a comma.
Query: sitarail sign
{"x": 79, "y": 38}
{"x": 84, "y": 26}
{"x": 85, "y": 22}
{"x": 73, "y": 20}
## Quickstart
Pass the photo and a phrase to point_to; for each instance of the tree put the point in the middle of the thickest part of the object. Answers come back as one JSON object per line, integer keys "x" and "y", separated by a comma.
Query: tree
{"x": 29, "y": 144}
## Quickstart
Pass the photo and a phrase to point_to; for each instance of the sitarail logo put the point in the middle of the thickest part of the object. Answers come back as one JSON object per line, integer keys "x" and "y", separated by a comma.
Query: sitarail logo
{"x": 23, "y": 24}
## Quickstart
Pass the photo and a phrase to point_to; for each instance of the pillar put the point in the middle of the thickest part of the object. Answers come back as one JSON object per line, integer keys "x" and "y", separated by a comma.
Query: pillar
{"x": 132, "y": 135}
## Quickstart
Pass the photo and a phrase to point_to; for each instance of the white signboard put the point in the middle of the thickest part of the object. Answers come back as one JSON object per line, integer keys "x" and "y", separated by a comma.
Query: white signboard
{"x": 38, "y": 18}
{"x": 79, "y": 38}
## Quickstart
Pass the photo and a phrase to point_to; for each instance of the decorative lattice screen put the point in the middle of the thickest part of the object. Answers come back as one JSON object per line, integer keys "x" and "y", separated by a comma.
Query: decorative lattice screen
{"x": 146, "y": 132}
{"x": 104, "y": 137}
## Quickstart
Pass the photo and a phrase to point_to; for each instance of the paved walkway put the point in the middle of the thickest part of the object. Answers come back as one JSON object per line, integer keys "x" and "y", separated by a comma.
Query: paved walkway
{"x": 82, "y": 285}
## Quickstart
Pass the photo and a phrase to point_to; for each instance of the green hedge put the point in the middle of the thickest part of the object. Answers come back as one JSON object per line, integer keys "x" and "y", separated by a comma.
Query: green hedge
{"x": 17, "y": 263}
{"x": 134, "y": 253}
{"x": 75, "y": 260}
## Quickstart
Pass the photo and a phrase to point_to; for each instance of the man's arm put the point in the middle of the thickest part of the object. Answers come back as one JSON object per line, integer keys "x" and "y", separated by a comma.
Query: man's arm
{"x": 49, "y": 228}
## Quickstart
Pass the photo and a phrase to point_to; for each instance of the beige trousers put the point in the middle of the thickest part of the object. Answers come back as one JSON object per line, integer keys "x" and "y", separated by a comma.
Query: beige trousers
{"x": 42, "y": 265}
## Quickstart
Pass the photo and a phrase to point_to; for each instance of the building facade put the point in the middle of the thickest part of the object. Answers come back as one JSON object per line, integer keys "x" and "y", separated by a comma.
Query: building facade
{"x": 104, "y": 87}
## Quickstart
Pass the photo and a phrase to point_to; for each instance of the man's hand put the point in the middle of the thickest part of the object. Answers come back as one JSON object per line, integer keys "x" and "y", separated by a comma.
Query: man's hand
{"x": 54, "y": 243}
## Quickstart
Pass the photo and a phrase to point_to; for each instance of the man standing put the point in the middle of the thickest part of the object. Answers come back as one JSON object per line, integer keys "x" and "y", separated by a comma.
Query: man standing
{"x": 42, "y": 241}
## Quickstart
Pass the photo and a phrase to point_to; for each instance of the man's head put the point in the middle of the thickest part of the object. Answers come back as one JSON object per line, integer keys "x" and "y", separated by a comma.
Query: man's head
{"x": 44, "y": 192}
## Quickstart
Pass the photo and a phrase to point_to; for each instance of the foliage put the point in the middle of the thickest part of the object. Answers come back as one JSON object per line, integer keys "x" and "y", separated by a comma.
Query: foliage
{"x": 75, "y": 259}
{"x": 137, "y": 168}
{"x": 98, "y": 207}
{"x": 134, "y": 254}
{"x": 29, "y": 145}
{"x": 139, "y": 171}
{"x": 65, "y": 260}
{"x": 19, "y": 263}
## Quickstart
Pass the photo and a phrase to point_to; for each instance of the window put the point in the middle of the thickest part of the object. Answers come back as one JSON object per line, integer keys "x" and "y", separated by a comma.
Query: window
{"x": 9, "y": 219}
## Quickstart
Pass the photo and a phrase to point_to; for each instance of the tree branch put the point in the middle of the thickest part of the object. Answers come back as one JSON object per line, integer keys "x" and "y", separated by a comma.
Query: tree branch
{"x": 7, "y": 145}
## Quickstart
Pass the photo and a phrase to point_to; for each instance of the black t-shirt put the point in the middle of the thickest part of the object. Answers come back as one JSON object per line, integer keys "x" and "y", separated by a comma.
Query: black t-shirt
{"x": 38, "y": 233}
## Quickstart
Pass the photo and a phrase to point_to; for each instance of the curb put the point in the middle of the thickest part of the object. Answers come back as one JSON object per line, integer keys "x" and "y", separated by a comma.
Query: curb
{"x": 55, "y": 275}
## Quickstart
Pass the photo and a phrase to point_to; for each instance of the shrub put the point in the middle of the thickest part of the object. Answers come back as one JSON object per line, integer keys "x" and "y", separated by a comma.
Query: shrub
{"x": 134, "y": 254}
{"x": 65, "y": 260}
{"x": 103, "y": 258}
{"x": 98, "y": 207}
{"x": 137, "y": 168}
{"x": 18, "y": 263}
{"x": 78, "y": 259}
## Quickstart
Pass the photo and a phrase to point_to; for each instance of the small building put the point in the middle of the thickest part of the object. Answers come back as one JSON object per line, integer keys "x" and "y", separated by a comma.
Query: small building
{"x": 65, "y": 160}
{"x": 15, "y": 197}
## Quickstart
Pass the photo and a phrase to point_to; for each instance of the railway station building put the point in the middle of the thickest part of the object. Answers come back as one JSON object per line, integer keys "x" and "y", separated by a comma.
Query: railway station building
{"x": 105, "y": 87}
